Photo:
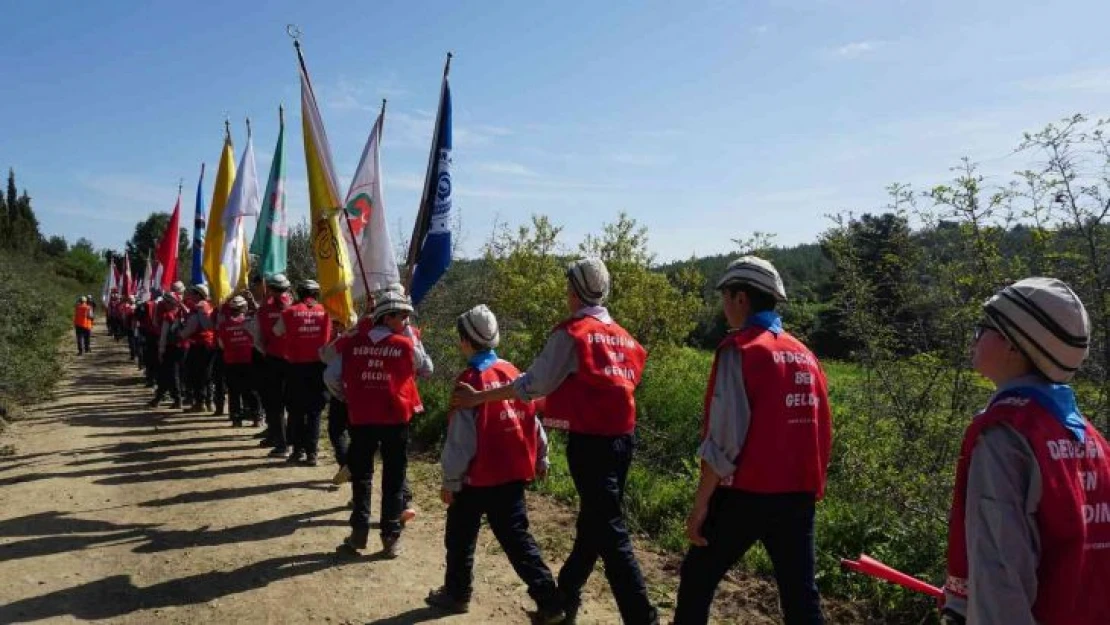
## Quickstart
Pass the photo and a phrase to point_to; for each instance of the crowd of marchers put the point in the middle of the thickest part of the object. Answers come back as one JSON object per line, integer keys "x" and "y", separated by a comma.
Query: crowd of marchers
{"x": 1023, "y": 544}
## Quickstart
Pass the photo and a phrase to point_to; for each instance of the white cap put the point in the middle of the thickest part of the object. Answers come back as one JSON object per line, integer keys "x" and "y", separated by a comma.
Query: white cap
{"x": 479, "y": 324}
{"x": 308, "y": 285}
{"x": 178, "y": 287}
{"x": 756, "y": 272}
{"x": 278, "y": 281}
{"x": 237, "y": 303}
{"x": 390, "y": 302}
{"x": 590, "y": 280}
{"x": 200, "y": 289}
{"x": 1046, "y": 320}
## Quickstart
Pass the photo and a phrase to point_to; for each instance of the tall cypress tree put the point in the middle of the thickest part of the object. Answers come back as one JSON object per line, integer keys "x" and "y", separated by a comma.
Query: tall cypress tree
{"x": 5, "y": 223}
{"x": 12, "y": 196}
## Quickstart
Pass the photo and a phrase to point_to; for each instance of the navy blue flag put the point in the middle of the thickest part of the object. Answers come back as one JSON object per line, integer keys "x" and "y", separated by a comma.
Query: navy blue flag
{"x": 430, "y": 248}
{"x": 198, "y": 233}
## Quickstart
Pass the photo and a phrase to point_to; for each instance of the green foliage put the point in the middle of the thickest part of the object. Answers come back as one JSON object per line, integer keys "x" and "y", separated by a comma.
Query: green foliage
{"x": 148, "y": 233}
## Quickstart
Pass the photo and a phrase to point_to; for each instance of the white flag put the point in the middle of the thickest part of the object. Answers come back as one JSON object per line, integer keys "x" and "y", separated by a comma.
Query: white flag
{"x": 365, "y": 208}
{"x": 245, "y": 201}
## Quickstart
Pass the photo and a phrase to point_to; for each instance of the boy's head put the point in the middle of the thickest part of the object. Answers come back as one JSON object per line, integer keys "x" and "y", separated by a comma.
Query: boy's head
{"x": 392, "y": 309}
{"x": 198, "y": 292}
{"x": 277, "y": 284}
{"x": 308, "y": 289}
{"x": 749, "y": 285}
{"x": 237, "y": 304}
{"x": 478, "y": 330}
{"x": 587, "y": 283}
{"x": 1036, "y": 324}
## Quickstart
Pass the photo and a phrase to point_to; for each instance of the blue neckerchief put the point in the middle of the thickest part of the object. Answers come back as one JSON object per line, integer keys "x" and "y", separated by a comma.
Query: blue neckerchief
{"x": 482, "y": 360}
{"x": 1057, "y": 399}
{"x": 768, "y": 320}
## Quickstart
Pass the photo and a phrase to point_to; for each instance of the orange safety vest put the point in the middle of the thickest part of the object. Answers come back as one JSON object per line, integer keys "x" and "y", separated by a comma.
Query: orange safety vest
{"x": 82, "y": 317}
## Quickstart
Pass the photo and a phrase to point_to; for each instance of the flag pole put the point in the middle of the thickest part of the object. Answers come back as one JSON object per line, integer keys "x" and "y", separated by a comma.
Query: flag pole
{"x": 423, "y": 215}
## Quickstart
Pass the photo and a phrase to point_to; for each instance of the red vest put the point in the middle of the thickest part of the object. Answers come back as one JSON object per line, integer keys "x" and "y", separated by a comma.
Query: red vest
{"x": 597, "y": 398}
{"x": 789, "y": 435}
{"x": 203, "y": 336}
{"x": 379, "y": 379}
{"x": 167, "y": 314}
{"x": 148, "y": 322}
{"x": 1073, "y": 518}
{"x": 268, "y": 315}
{"x": 307, "y": 329}
{"x": 507, "y": 432}
{"x": 238, "y": 344}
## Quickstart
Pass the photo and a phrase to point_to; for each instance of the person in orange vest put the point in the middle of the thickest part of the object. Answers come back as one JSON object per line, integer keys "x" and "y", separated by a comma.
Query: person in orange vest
{"x": 377, "y": 373}
{"x": 305, "y": 327}
{"x": 588, "y": 371}
{"x": 1029, "y": 528}
{"x": 491, "y": 453}
{"x": 82, "y": 325}
{"x": 237, "y": 352}
{"x": 198, "y": 328}
{"x": 273, "y": 372}
{"x": 766, "y": 440}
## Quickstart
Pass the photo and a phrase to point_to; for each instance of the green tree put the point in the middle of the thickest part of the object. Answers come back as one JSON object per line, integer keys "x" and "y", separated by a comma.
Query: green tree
{"x": 55, "y": 246}
{"x": 145, "y": 238}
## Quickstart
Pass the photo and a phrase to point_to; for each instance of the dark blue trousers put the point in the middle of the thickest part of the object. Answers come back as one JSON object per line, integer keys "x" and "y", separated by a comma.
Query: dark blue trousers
{"x": 304, "y": 401}
{"x": 783, "y": 522}
{"x": 599, "y": 468}
{"x": 337, "y": 429}
{"x": 367, "y": 440}
{"x": 504, "y": 508}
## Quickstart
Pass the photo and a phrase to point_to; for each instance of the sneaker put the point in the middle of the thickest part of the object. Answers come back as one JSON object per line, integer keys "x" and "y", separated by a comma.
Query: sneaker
{"x": 407, "y": 515}
{"x": 357, "y": 539}
{"x": 154, "y": 402}
{"x": 441, "y": 598}
{"x": 391, "y": 547}
{"x": 343, "y": 476}
{"x": 279, "y": 452}
{"x": 311, "y": 460}
{"x": 295, "y": 457}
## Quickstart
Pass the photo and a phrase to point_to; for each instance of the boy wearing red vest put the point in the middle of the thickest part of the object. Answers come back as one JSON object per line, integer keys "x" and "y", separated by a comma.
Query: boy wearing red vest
{"x": 237, "y": 350}
{"x": 147, "y": 318}
{"x": 378, "y": 371}
{"x": 588, "y": 371}
{"x": 200, "y": 333}
{"x": 82, "y": 325}
{"x": 305, "y": 327}
{"x": 766, "y": 438}
{"x": 171, "y": 347}
{"x": 1029, "y": 530}
{"x": 272, "y": 372}
{"x": 491, "y": 453}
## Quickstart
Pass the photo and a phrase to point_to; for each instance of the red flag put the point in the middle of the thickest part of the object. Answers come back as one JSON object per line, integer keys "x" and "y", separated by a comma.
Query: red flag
{"x": 115, "y": 277}
{"x": 166, "y": 254}
{"x": 128, "y": 287}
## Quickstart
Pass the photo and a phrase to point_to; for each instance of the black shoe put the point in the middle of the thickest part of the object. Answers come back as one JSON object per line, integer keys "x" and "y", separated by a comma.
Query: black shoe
{"x": 358, "y": 539}
{"x": 441, "y": 598}
{"x": 264, "y": 435}
{"x": 257, "y": 422}
{"x": 154, "y": 402}
{"x": 237, "y": 424}
{"x": 295, "y": 457}
{"x": 311, "y": 461}
{"x": 279, "y": 452}
{"x": 176, "y": 404}
{"x": 549, "y": 615}
{"x": 219, "y": 410}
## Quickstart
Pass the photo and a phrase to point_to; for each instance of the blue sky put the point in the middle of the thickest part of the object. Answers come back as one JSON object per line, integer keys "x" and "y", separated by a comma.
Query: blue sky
{"x": 704, "y": 120}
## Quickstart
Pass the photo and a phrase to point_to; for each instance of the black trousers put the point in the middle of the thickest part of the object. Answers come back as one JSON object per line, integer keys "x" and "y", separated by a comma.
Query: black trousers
{"x": 393, "y": 441}
{"x": 505, "y": 509}
{"x": 219, "y": 379}
{"x": 150, "y": 357}
{"x": 83, "y": 336}
{"x": 271, "y": 389}
{"x": 337, "y": 429}
{"x": 736, "y": 520}
{"x": 599, "y": 468}
{"x": 169, "y": 372}
{"x": 243, "y": 402}
{"x": 305, "y": 396}
{"x": 198, "y": 372}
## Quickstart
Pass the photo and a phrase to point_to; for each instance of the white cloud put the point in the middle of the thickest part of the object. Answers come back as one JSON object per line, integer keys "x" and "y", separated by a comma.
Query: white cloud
{"x": 856, "y": 49}
{"x": 1096, "y": 81}
{"x": 505, "y": 168}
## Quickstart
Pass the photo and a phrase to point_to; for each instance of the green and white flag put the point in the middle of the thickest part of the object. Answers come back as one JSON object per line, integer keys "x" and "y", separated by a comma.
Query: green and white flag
{"x": 271, "y": 236}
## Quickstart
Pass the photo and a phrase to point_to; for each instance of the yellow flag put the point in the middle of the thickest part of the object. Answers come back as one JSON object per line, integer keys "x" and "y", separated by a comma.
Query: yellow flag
{"x": 214, "y": 238}
{"x": 333, "y": 268}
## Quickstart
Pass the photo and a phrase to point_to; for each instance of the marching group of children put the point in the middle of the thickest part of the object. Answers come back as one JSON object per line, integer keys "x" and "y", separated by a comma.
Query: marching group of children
{"x": 1029, "y": 537}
